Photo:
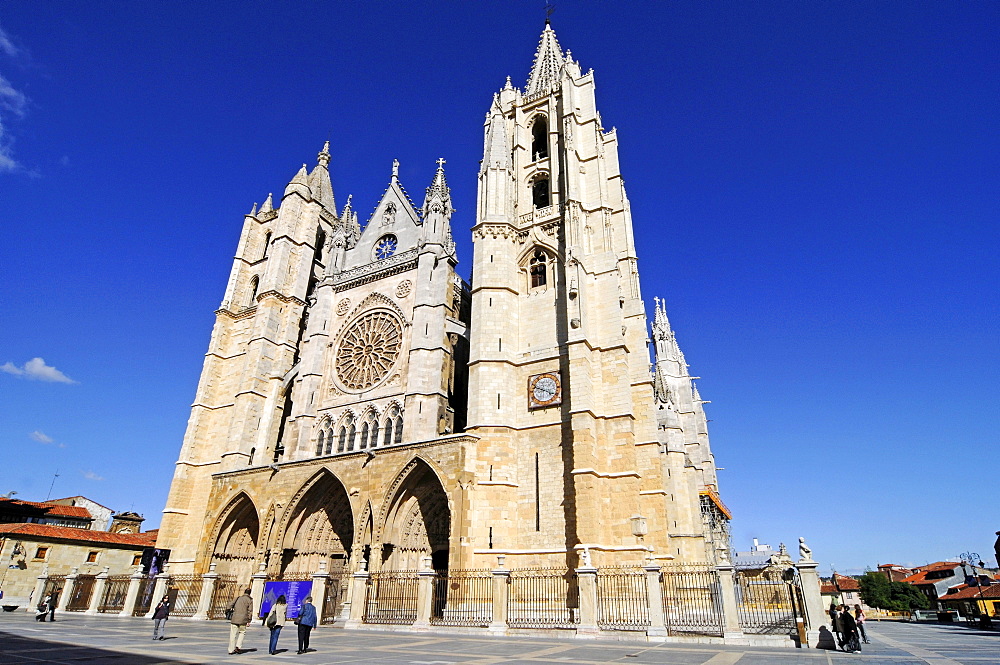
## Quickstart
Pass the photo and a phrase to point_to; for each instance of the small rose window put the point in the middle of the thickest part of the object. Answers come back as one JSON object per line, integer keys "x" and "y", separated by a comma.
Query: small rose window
{"x": 385, "y": 247}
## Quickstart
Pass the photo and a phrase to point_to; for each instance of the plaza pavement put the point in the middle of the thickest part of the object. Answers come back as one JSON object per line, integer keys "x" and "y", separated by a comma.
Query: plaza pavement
{"x": 76, "y": 639}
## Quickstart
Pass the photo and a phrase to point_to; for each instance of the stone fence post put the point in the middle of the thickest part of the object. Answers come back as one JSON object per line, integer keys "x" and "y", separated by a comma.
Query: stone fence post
{"x": 132, "y": 594}
{"x": 654, "y": 592}
{"x": 36, "y": 595}
{"x": 813, "y": 601}
{"x": 97, "y": 595}
{"x": 358, "y": 593}
{"x": 425, "y": 594}
{"x": 320, "y": 587}
{"x": 587, "y": 580}
{"x": 257, "y": 589}
{"x": 501, "y": 588}
{"x": 730, "y": 609}
{"x": 67, "y": 591}
{"x": 159, "y": 591}
{"x": 209, "y": 581}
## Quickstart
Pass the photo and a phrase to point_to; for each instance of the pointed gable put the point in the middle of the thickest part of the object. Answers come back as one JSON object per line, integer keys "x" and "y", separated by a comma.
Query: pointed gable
{"x": 394, "y": 218}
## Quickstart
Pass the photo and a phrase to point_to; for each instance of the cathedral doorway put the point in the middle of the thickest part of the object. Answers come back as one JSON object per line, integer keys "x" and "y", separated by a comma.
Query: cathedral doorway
{"x": 235, "y": 551}
{"x": 321, "y": 529}
{"x": 418, "y": 522}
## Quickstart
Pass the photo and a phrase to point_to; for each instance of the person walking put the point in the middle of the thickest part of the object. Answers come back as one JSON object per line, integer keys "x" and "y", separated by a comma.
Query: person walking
{"x": 850, "y": 627}
{"x": 275, "y": 621}
{"x": 53, "y": 601}
{"x": 306, "y": 621}
{"x": 859, "y": 618}
{"x": 242, "y": 613}
{"x": 160, "y": 615}
{"x": 836, "y": 625}
{"x": 42, "y": 610}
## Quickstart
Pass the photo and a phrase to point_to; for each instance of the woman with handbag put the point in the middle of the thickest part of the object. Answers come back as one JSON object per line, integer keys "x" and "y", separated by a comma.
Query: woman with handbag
{"x": 274, "y": 622}
{"x": 306, "y": 621}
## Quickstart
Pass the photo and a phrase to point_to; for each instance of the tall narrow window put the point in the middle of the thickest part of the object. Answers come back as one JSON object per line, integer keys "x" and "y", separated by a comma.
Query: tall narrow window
{"x": 537, "y": 269}
{"x": 329, "y": 440}
{"x": 540, "y": 192}
{"x": 539, "y": 139}
{"x": 364, "y": 436}
{"x": 252, "y": 299}
{"x": 319, "y": 442}
{"x": 351, "y": 435}
{"x": 267, "y": 244}
{"x": 388, "y": 426}
{"x": 342, "y": 443}
{"x": 398, "y": 434}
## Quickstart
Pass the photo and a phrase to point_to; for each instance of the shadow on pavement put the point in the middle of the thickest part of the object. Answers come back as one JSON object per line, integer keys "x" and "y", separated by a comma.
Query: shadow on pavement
{"x": 15, "y": 649}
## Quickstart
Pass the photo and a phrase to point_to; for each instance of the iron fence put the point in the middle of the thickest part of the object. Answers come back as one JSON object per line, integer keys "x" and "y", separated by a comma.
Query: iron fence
{"x": 227, "y": 587}
{"x": 144, "y": 599}
{"x": 622, "y": 599}
{"x": 115, "y": 590}
{"x": 543, "y": 598}
{"x": 334, "y": 600}
{"x": 186, "y": 593}
{"x": 391, "y": 597}
{"x": 81, "y": 592}
{"x": 691, "y": 600}
{"x": 462, "y": 598}
{"x": 767, "y": 604}
{"x": 53, "y": 584}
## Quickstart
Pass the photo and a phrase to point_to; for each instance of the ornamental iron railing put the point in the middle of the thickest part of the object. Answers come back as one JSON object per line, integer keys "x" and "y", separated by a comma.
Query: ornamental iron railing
{"x": 144, "y": 599}
{"x": 333, "y": 603}
{"x": 543, "y": 598}
{"x": 115, "y": 591}
{"x": 186, "y": 592}
{"x": 622, "y": 599}
{"x": 462, "y": 598}
{"x": 768, "y": 604}
{"x": 692, "y": 602}
{"x": 227, "y": 588}
{"x": 81, "y": 592}
{"x": 391, "y": 597}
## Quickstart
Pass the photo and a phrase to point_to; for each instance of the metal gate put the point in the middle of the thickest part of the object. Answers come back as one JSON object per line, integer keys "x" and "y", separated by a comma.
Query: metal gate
{"x": 53, "y": 584}
{"x": 768, "y": 602}
{"x": 391, "y": 597}
{"x": 115, "y": 590}
{"x": 463, "y": 598}
{"x": 227, "y": 587}
{"x": 543, "y": 598}
{"x": 622, "y": 599}
{"x": 81, "y": 592}
{"x": 691, "y": 600}
{"x": 144, "y": 599}
{"x": 333, "y": 603}
{"x": 185, "y": 592}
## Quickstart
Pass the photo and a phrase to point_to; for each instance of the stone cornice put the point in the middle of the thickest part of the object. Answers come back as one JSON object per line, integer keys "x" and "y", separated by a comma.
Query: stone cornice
{"x": 393, "y": 265}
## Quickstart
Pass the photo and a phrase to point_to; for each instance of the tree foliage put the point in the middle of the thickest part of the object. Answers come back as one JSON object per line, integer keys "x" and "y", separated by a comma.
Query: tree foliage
{"x": 878, "y": 591}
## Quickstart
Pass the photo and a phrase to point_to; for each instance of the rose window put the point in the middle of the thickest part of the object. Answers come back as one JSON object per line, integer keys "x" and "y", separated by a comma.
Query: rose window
{"x": 368, "y": 350}
{"x": 385, "y": 247}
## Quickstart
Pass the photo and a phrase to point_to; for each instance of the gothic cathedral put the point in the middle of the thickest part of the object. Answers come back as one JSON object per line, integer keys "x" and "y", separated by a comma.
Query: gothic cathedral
{"x": 362, "y": 407}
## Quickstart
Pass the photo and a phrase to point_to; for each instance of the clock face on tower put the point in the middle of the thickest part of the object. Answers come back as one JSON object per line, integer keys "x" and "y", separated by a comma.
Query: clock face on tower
{"x": 544, "y": 390}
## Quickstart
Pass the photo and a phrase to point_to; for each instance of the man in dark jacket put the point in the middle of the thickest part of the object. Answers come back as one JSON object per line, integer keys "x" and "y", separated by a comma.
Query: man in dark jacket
{"x": 160, "y": 615}
{"x": 53, "y": 601}
{"x": 242, "y": 609}
{"x": 306, "y": 621}
{"x": 851, "y": 641}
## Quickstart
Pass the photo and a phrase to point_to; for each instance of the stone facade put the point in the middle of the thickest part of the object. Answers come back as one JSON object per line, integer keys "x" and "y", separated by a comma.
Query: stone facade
{"x": 362, "y": 407}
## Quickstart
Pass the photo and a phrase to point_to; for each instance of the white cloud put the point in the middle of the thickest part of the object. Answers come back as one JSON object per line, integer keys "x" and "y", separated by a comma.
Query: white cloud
{"x": 41, "y": 437}
{"x": 90, "y": 475}
{"x": 12, "y": 102}
{"x": 7, "y": 46}
{"x": 36, "y": 369}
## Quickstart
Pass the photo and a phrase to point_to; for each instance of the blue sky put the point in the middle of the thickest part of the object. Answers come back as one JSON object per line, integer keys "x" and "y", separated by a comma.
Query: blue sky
{"x": 814, "y": 189}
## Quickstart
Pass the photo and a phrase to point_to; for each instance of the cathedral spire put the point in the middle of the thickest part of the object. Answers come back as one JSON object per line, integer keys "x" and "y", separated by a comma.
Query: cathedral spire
{"x": 548, "y": 62}
{"x": 496, "y": 153}
{"x": 437, "y": 209}
{"x": 299, "y": 184}
{"x": 267, "y": 205}
{"x": 319, "y": 180}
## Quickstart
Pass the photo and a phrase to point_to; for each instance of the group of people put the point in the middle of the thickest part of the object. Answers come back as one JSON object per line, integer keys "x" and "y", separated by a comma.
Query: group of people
{"x": 47, "y": 608}
{"x": 241, "y": 613}
{"x": 850, "y": 629}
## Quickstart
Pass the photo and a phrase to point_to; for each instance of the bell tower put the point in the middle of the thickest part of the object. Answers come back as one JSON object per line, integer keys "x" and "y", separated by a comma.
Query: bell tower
{"x": 561, "y": 390}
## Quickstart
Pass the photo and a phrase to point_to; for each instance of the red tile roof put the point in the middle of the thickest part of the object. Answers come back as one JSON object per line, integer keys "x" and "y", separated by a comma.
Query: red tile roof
{"x": 972, "y": 592}
{"x": 827, "y": 588}
{"x": 146, "y": 539}
{"x": 921, "y": 576}
{"x": 49, "y": 509}
{"x": 845, "y": 583}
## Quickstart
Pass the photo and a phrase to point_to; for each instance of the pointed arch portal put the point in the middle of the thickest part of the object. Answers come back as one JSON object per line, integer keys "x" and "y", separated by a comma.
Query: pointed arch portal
{"x": 236, "y": 545}
{"x": 320, "y": 529}
{"x": 418, "y": 522}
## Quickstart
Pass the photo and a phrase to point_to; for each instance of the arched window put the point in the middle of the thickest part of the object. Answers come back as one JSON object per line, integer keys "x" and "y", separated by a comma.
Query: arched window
{"x": 351, "y": 434}
{"x": 369, "y": 431}
{"x": 252, "y": 299}
{"x": 537, "y": 269}
{"x": 329, "y": 441}
{"x": 267, "y": 244}
{"x": 539, "y": 139}
{"x": 250, "y": 461}
{"x": 319, "y": 442}
{"x": 398, "y": 434}
{"x": 342, "y": 442}
{"x": 540, "y": 192}
{"x": 364, "y": 437}
{"x": 392, "y": 427}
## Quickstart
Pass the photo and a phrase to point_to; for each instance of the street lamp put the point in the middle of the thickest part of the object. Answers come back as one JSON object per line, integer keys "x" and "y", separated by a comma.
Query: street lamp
{"x": 969, "y": 558}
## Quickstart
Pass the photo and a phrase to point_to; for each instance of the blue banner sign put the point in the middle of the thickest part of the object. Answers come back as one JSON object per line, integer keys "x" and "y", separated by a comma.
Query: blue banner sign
{"x": 295, "y": 593}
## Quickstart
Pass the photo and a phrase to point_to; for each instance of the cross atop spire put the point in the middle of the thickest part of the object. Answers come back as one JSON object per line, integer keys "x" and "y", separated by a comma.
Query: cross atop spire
{"x": 441, "y": 162}
{"x": 548, "y": 62}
